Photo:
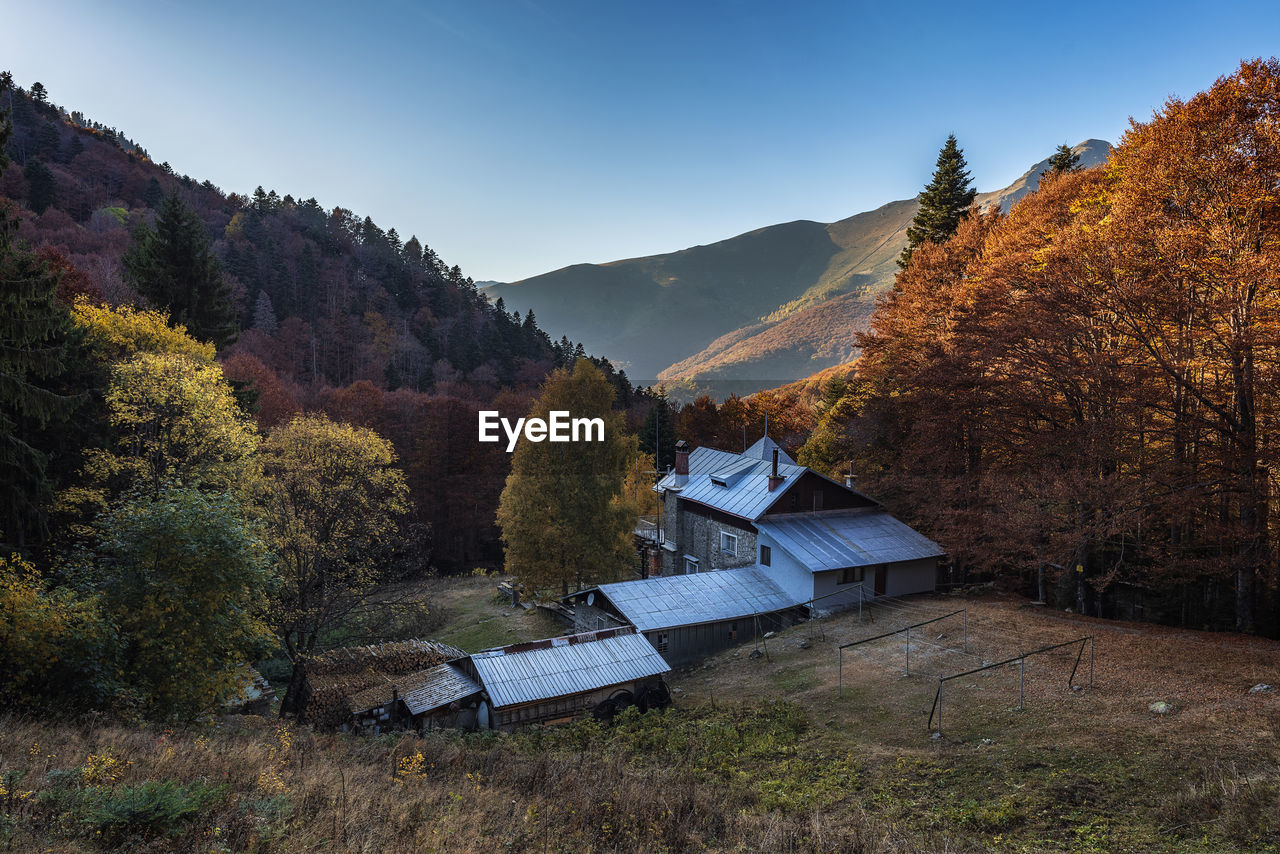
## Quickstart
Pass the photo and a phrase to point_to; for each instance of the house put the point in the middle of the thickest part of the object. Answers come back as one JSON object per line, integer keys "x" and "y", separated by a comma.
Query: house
{"x": 440, "y": 697}
{"x": 824, "y": 544}
{"x": 559, "y": 679}
{"x": 688, "y": 617}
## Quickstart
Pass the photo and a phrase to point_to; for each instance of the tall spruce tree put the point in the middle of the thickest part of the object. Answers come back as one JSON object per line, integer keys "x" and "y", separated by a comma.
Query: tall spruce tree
{"x": 36, "y": 343}
{"x": 944, "y": 202}
{"x": 1064, "y": 160}
{"x": 172, "y": 266}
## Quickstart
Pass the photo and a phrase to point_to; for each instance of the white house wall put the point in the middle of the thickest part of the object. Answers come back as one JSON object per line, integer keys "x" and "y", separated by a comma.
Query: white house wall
{"x": 794, "y": 578}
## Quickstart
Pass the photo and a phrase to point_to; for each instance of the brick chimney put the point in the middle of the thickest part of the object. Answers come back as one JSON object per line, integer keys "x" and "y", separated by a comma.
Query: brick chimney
{"x": 775, "y": 480}
{"x": 682, "y": 457}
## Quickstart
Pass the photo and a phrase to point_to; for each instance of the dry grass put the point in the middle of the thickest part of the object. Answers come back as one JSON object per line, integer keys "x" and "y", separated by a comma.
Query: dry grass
{"x": 727, "y": 769}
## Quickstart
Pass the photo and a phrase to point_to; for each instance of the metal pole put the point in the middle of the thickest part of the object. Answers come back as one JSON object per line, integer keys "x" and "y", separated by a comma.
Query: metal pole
{"x": 908, "y": 650}
{"x": 861, "y": 593}
{"x": 1022, "y": 670}
{"x": 1090, "y": 661}
{"x": 840, "y": 684}
{"x": 939, "y": 704}
{"x": 965, "y": 617}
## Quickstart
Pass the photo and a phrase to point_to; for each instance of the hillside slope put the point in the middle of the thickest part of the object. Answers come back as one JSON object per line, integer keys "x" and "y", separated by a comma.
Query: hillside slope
{"x": 768, "y": 306}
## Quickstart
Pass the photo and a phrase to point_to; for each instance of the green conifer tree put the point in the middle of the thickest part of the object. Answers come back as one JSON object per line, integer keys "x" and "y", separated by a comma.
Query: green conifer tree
{"x": 172, "y": 266}
{"x": 944, "y": 202}
{"x": 1064, "y": 160}
{"x": 36, "y": 338}
{"x": 40, "y": 186}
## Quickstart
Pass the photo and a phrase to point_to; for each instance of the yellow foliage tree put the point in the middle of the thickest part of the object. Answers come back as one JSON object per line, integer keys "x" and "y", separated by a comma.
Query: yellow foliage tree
{"x": 562, "y": 514}
{"x": 332, "y": 499}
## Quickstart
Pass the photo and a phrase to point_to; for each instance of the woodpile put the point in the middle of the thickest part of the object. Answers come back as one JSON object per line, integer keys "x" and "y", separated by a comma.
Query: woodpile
{"x": 339, "y": 680}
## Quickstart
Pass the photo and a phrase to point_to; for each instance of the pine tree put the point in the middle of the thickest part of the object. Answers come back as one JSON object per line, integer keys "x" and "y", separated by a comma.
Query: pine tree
{"x": 264, "y": 315}
{"x": 153, "y": 196}
{"x": 41, "y": 190}
{"x": 657, "y": 433}
{"x": 172, "y": 266}
{"x": 1064, "y": 160}
{"x": 37, "y": 338}
{"x": 944, "y": 202}
{"x": 38, "y": 93}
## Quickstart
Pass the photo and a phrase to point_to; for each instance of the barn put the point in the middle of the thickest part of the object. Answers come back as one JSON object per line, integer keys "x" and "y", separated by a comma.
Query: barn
{"x": 688, "y": 617}
{"x": 559, "y": 679}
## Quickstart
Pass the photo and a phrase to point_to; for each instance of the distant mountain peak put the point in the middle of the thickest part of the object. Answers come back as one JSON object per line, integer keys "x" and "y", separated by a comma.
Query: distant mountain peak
{"x": 752, "y": 311}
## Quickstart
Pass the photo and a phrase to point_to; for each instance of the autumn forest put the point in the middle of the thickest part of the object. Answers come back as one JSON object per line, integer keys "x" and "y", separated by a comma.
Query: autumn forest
{"x": 1079, "y": 398}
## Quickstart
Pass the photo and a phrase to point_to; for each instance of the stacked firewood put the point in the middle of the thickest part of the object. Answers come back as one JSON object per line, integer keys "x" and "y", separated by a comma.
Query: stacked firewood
{"x": 335, "y": 678}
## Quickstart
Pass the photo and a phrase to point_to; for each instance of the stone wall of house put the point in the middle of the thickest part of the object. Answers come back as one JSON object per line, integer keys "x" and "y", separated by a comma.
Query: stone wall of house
{"x": 699, "y": 536}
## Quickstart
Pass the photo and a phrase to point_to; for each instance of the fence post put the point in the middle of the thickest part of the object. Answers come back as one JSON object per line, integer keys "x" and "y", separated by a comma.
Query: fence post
{"x": 908, "y": 650}
{"x": 1091, "y": 662}
{"x": 1022, "y": 670}
{"x": 939, "y": 704}
{"x": 840, "y": 683}
{"x": 965, "y": 641}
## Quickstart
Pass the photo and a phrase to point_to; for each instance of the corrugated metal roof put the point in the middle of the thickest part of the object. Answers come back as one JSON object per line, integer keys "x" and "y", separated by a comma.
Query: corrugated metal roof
{"x": 825, "y": 541}
{"x": 744, "y": 482}
{"x": 707, "y": 597}
{"x": 441, "y": 685}
{"x": 763, "y": 450}
{"x": 562, "y": 670}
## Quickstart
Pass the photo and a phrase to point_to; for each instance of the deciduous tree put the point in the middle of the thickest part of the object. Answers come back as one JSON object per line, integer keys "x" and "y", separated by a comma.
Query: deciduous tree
{"x": 560, "y": 517}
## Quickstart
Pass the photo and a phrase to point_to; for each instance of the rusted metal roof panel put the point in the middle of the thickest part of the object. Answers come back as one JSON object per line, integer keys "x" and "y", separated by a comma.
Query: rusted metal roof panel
{"x": 440, "y": 686}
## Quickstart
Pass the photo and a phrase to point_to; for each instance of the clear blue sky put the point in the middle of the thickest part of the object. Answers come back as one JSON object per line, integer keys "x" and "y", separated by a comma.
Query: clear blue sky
{"x": 519, "y": 137}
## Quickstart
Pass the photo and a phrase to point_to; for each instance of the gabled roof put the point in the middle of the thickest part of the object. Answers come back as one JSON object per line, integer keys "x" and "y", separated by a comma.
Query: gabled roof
{"x": 439, "y": 686}
{"x": 823, "y": 541}
{"x": 526, "y": 673}
{"x": 763, "y": 450}
{"x": 734, "y": 483}
{"x": 706, "y": 597}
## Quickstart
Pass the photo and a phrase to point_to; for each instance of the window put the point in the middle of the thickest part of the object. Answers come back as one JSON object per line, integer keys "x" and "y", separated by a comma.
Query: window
{"x": 733, "y": 631}
{"x": 690, "y": 564}
{"x": 852, "y": 575}
{"x": 728, "y": 543}
{"x": 660, "y": 641}
{"x": 817, "y": 500}
{"x": 766, "y": 555}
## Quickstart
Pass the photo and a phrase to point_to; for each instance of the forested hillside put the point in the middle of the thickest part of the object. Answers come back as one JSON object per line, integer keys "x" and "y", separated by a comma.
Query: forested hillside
{"x": 331, "y": 311}
{"x": 1086, "y": 389}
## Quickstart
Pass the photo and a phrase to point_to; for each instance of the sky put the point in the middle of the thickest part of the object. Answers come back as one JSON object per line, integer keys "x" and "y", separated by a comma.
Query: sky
{"x": 519, "y": 137}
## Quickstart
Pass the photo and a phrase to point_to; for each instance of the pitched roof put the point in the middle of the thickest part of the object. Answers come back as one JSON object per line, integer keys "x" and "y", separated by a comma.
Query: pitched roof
{"x": 823, "y": 541}
{"x": 706, "y": 597}
{"x": 763, "y": 450}
{"x": 440, "y": 686}
{"x": 734, "y": 483}
{"x": 566, "y": 666}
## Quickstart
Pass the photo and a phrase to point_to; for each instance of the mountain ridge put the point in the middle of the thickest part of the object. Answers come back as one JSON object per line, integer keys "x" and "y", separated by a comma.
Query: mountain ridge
{"x": 769, "y": 305}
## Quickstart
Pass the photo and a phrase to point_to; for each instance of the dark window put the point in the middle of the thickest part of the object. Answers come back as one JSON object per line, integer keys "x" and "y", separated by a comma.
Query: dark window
{"x": 853, "y": 575}
{"x": 660, "y": 642}
{"x": 733, "y": 631}
{"x": 765, "y": 556}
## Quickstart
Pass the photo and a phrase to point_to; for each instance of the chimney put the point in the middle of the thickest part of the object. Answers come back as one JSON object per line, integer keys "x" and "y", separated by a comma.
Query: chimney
{"x": 775, "y": 480}
{"x": 849, "y": 481}
{"x": 682, "y": 457}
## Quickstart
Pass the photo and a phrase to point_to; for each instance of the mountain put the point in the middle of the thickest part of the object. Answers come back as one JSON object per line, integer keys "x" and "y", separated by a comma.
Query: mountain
{"x": 750, "y": 312}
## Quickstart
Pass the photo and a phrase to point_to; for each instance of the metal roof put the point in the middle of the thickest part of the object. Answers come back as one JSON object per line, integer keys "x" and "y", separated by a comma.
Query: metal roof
{"x": 440, "y": 686}
{"x": 744, "y": 482}
{"x": 823, "y": 541}
{"x": 564, "y": 667}
{"x": 706, "y": 597}
{"x": 763, "y": 450}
